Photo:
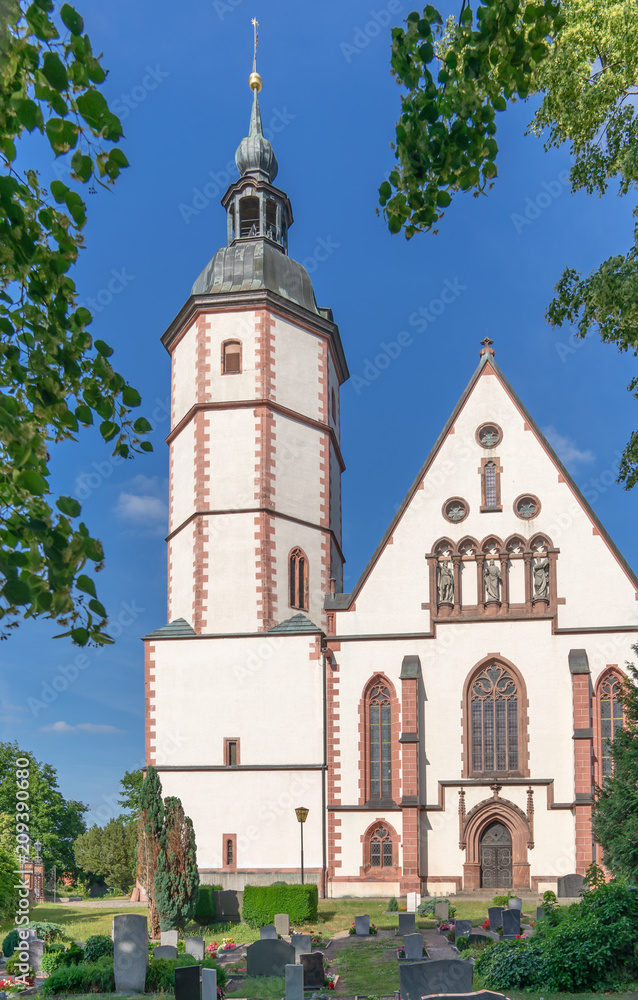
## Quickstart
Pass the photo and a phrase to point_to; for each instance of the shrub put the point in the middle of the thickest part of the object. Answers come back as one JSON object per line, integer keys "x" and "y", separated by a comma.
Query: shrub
{"x": 160, "y": 975}
{"x": 205, "y": 910}
{"x": 87, "y": 977}
{"x": 393, "y": 905}
{"x": 426, "y": 908}
{"x": 97, "y": 946}
{"x": 72, "y": 956}
{"x": 10, "y": 943}
{"x": 10, "y": 966}
{"x": 514, "y": 965}
{"x": 51, "y": 961}
{"x": 502, "y": 900}
{"x": 261, "y": 902}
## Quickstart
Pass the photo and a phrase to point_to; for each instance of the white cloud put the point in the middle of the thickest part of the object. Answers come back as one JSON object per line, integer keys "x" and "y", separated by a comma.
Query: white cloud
{"x": 87, "y": 727}
{"x": 143, "y": 502}
{"x": 566, "y": 449}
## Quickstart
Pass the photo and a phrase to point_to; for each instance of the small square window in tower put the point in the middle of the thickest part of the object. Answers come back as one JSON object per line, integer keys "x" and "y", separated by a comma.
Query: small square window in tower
{"x": 231, "y": 358}
{"x": 231, "y": 752}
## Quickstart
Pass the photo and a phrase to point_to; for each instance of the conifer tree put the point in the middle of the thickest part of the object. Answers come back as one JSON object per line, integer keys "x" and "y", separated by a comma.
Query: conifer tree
{"x": 176, "y": 877}
{"x": 150, "y": 830}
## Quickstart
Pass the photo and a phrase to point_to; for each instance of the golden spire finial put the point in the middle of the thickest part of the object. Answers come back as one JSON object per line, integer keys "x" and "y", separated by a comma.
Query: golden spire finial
{"x": 254, "y": 80}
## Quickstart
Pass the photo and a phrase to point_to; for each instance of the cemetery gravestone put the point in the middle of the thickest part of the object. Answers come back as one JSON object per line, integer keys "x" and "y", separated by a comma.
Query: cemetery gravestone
{"x": 362, "y": 925}
{"x": 413, "y": 947}
{"x": 442, "y": 911}
{"x": 414, "y": 900}
{"x": 294, "y": 982}
{"x": 36, "y": 951}
{"x": 407, "y": 923}
{"x": 511, "y": 923}
{"x": 435, "y": 953}
{"x": 478, "y": 939}
{"x": 302, "y": 943}
{"x": 187, "y": 982}
{"x": 516, "y": 903}
{"x": 569, "y": 885}
{"x": 209, "y": 984}
{"x": 462, "y": 927}
{"x": 195, "y": 946}
{"x": 313, "y": 972}
{"x": 282, "y": 924}
{"x": 495, "y": 914}
{"x": 540, "y": 912}
{"x": 268, "y": 933}
{"x": 420, "y": 979}
{"x": 165, "y": 951}
{"x": 169, "y": 937}
{"x": 130, "y": 952}
{"x": 269, "y": 958}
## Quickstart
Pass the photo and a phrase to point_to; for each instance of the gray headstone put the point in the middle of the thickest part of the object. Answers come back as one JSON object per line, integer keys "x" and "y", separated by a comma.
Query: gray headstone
{"x": 478, "y": 939}
{"x": 540, "y": 912}
{"x": 36, "y": 951}
{"x": 362, "y": 925}
{"x": 165, "y": 951}
{"x": 569, "y": 885}
{"x": 195, "y": 946}
{"x": 420, "y": 979}
{"x": 31, "y": 933}
{"x": 516, "y": 903}
{"x": 313, "y": 974}
{"x": 435, "y": 953}
{"x": 462, "y": 927}
{"x": 302, "y": 943}
{"x": 413, "y": 947}
{"x": 169, "y": 937}
{"x": 268, "y": 933}
{"x": 407, "y": 923}
{"x": 495, "y": 914}
{"x": 294, "y": 982}
{"x": 282, "y": 924}
{"x": 511, "y": 923}
{"x": 130, "y": 952}
{"x": 209, "y": 984}
{"x": 187, "y": 982}
{"x": 268, "y": 958}
{"x": 442, "y": 911}
{"x": 228, "y": 904}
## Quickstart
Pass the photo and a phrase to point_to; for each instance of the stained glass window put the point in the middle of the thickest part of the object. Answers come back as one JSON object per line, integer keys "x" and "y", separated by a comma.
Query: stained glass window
{"x": 494, "y": 714}
{"x": 490, "y": 485}
{"x": 381, "y": 849}
{"x": 611, "y": 720}
{"x": 380, "y": 743}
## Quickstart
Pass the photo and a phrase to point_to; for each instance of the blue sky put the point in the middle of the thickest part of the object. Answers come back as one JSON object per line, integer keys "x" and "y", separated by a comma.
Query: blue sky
{"x": 178, "y": 79}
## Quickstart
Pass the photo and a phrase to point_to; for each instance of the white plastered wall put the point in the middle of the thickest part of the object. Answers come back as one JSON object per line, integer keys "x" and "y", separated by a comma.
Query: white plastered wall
{"x": 297, "y": 367}
{"x": 297, "y": 468}
{"x": 288, "y": 535}
{"x": 232, "y": 461}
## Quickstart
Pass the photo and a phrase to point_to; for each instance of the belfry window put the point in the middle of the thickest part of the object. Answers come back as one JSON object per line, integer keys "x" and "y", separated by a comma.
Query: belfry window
{"x": 249, "y": 217}
{"x": 271, "y": 220}
{"x": 231, "y": 357}
{"x": 298, "y": 580}
{"x": 380, "y": 743}
{"x": 494, "y": 713}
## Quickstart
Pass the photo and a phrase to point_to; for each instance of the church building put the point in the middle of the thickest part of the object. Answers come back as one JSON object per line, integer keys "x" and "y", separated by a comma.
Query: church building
{"x": 445, "y": 723}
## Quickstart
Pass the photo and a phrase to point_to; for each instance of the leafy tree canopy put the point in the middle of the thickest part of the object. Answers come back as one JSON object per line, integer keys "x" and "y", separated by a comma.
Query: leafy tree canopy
{"x": 51, "y": 819}
{"x": 110, "y": 852}
{"x": 54, "y": 379}
{"x": 131, "y": 792}
{"x": 580, "y": 57}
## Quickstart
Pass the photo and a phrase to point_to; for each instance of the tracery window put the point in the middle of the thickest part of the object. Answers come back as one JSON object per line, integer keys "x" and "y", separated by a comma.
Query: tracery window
{"x": 490, "y": 485}
{"x": 381, "y": 855}
{"x": 229, "y": 853}
{"x": 611, "y": 720}
{"x": 380, "y": 742}
{"x": 494, "y": 700}
{"x": 231, "y": 357}
{"x": 298, "y": 580}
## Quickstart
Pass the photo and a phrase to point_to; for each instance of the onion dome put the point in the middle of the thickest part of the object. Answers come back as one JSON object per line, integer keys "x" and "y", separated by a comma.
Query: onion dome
{"x": 254, "y": 154}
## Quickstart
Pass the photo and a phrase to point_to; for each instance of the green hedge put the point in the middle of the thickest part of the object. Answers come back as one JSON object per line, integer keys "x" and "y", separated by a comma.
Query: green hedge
{"x": 160, "y": 975}
{"x": 261, "y": 902}
{"x": 205, "y": 910}
{"x": 97, "y": 977}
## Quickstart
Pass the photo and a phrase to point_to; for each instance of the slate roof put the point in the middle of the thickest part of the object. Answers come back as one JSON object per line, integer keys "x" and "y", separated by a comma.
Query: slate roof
{"x": 178, "y": 629}
{"x": 298, "y": 623}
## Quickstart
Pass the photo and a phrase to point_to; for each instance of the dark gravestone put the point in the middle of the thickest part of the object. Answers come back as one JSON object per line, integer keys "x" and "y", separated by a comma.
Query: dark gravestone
{"x": 407, "y": 923}
{"x": 165, "y": 951}
{"x": 362, "y": 925}
{"x": 516, "y": 903}
{"x": 268, "y": 958}
{"x": 187, "y": 982}
{"x": 413, "y": 947}
{"x": 569, "y": 885}
{"x": 268, "y": 933}
{"x": 313, "y": 974}
{"x": 540, "y": 912}
{"x": 511, "y": 923}
{"x": 302, "y": 943}
{"x": 462, "y": 927}
{"x": 495, "y": 914}
{"x": 228, "y": 904}
{"x": 478, "y": 939}
{"x": 420, "y": 979}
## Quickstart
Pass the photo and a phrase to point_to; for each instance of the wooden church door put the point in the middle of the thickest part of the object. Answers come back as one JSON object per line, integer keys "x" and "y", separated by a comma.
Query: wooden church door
{"x": 496, "y": 857}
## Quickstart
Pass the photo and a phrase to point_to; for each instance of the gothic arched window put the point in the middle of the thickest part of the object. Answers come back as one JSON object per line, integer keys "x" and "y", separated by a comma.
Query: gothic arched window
{"x": 490, "y": 484}
{"x": 298, "y": 579}
{"x": 380, "y": 851}
{"x": 380, "y": 742}
{"x": 611, "y": 718}
{"x": 231, "y": 357}
{"x": 494, "y": 713}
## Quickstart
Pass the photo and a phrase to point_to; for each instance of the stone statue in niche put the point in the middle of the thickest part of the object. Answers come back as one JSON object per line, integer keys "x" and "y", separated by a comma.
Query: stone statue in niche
{"x": 493, "y": 580}
{"x": 541, "y": 578}
{"x": 445, "y": 582}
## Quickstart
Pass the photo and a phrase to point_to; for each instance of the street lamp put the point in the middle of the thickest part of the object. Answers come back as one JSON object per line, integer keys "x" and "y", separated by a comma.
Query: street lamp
{"x": 302, "y": 816}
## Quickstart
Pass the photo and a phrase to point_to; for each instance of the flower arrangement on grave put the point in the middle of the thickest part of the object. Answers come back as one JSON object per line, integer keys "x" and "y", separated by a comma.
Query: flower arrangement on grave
{"x": 445, "y": 926}
{"x": 227, "y": 944}
{"x": 401, "y": 951}
{"x": 212, "y": 947}
{"x": 486, "y": 925}
{"x": 518, "y": 936}
{"x": 317, "y": 940}
{"x": 330, "y": 981}
{"x": 353, "y": 928}
{"x": 13, "y": 984}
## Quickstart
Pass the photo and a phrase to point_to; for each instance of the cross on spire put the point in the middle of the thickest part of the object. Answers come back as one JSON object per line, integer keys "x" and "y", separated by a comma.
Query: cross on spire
{"x": 486, "y": 347}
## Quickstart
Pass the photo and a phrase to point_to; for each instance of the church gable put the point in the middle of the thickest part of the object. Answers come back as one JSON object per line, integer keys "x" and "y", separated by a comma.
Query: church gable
{"x": 493, "y": 526}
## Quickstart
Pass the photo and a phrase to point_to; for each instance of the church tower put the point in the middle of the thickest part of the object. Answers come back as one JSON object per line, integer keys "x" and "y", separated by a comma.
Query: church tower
{"x": 255, "y": 461}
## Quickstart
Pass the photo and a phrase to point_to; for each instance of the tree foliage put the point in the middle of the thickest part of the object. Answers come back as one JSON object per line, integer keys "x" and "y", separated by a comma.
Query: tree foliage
{"x": 150, "y": 825}
{"x": 109, "y": 852}
{"x": 581, "y": 58}
{"x": 51, "y": 819}
{"x": 176, "y": 878}
{"x": 54, "y": 379}
{"x": 131, "y": 791}
{"x": 615, "y": 816}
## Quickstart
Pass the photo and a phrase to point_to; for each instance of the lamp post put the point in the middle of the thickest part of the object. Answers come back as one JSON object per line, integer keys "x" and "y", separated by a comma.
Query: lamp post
{"x": 302, "y": 816}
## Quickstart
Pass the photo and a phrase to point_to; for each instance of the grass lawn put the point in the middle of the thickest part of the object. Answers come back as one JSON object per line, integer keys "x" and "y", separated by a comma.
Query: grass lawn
{"x": 260, "y": 988}
{"x": 368, "y": 968}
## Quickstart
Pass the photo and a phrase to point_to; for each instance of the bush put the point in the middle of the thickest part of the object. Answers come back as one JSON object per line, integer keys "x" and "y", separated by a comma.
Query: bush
{"x": 160, "y": 975}
{"x": 426, "y": 908}
{"x": 393, "y": 905}
{"x": 87, "y": 977}
{"x": 205, "y": 910}
{"x": 261, "y": 902}
{"x": 97, "y": 946}
{"x": 10, "y": 966}
{"x": 73, "y": 955}
{"x": 514, "y": 965}
{"x": 502, "y": 900}
{"x": 10, "y": 943}
{"x": 52, "y": 960}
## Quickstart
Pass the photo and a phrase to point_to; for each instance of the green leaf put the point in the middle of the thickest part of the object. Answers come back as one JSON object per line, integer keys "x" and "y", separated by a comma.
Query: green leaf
{"x": 71, "y": 19}
{"x": 84, "y": 414}
{"x": 97, "y": 608}
{"x": 16, "y": 591}
{"x": 142, "y": 426}
{"x": 68, "y": 506}
{"x": 108, "y": 429}
{"x": 103, "y": 348}
{"x": 59, "y": 190}
{"x": 385, "y": 191}
{"x": 33, "y": 482}
{"x": 29, "y": 114}
{"x": 55, "y": 71}
{"x": 146, "y": 446}
{"x": 62, "y": 135}
{"x": 443, "y": 199}
{"x": 130, "y": 396}
{"x": 86, "y": 585}
{"x": 82, "y": 165}
{"x": 93, "y": 107}
{"x": 117, "y": 155}
{"x": 499, "y": 103}
{"x": 80, "y": 636}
